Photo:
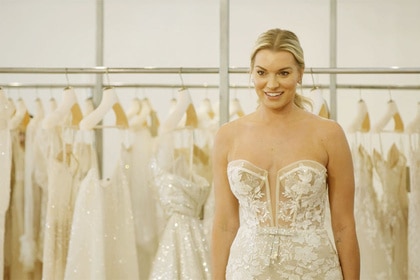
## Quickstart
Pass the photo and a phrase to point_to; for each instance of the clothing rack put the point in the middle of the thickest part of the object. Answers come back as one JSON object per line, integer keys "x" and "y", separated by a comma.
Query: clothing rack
{"x": 197, "y": 70}
{"x": 205, "y": 86}
{"x": 224, "y": 85}
{"x": 224, "y": 80}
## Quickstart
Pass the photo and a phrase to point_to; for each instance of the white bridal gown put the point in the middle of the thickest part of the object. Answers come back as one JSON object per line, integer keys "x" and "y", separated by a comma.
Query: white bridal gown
{"x": 182, "y": 190}
{"x": 289, "y": 241}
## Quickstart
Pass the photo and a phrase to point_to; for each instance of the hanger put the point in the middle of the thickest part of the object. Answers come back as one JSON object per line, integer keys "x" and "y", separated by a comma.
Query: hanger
{"x": 89, "y": 107}
{"x": 145, "y": 112}
{"x": 39, "y": 109}
{"x": 390, "y": 113}
{"x": 134, "y": 109}
{"x": 21, "y": 116}
{"x": 182, "y": 106}
{"x": 414, "y": 125}
{"x": 68, "y": 105}
{"x": 207, "y": 108}
{"x": 109, "y": 101}
{"x": 362, "y": 121}
{"x": 235, "y": 108}
{"x": 11, "y": 107}
{"x": 4, "y": 110}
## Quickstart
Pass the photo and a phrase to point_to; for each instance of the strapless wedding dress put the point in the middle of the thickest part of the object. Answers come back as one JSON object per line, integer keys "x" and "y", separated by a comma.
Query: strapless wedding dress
{"x": 289, "y": 241}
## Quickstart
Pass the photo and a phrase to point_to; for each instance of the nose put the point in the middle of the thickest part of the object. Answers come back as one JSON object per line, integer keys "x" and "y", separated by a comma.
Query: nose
{"x": 272, "y": 82}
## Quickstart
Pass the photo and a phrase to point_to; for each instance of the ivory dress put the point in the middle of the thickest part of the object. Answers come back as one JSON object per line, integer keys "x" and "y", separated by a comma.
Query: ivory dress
{"x": 413, "y": 216}
{"x": 183, "y": 251}
{"x": 102, "y": 241}
{"x": 5, "y": 167}
{"x": 394, "y": 209}
{"x": 368, "y": 218}
{"x": 290, "y": 241}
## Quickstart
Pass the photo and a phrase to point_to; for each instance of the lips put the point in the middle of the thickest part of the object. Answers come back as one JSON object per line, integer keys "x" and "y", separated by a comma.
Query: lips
{"x": 273, "y": 94}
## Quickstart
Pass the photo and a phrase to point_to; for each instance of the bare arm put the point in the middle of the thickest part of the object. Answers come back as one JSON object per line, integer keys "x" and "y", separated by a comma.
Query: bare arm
{"x": 226, "y": 217}
{"x": 341, "y": 195}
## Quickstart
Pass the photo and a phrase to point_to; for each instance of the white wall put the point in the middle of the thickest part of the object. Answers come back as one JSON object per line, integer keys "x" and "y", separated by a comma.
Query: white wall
{"x": 185, "y": 33}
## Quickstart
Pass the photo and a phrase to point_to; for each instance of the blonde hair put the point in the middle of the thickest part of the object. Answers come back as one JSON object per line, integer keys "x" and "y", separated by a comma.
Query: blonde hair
{"x": 282, "y": 40}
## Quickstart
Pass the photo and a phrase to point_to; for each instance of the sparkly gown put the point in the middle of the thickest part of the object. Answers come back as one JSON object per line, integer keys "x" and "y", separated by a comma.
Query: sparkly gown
{"x": 5, "y": 167}
{"x": 413, "y": 216}
{"x": 290, "y": 241}
{"x": 183, "y": 251}
{"x": 102, "y": 241}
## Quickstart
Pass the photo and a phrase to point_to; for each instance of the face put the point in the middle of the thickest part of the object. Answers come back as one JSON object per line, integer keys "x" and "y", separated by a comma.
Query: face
{"x": 275, "y": 76}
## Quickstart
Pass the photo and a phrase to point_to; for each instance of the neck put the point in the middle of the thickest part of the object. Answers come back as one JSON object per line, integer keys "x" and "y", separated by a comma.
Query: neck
{"x": 274, "y": 116}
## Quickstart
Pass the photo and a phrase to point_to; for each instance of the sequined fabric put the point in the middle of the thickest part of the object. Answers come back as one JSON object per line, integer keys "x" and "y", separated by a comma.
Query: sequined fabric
{"x": 183, "y": 251}
{"x": 287, "y": 241}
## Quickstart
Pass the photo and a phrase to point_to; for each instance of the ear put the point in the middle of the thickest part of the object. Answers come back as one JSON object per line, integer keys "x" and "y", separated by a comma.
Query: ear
{"x": 300, "y": 75}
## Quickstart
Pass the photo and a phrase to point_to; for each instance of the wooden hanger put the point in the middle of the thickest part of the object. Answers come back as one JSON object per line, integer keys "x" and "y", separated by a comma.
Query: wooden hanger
{"x": 235, "y": 109}
{"x": 208, "y": 108}
{"x": 134, "y": 108}
{"x": 319, "y": 105}
{"x": 52, "y": 104}
{"x": 89, "y": 107}
{"x": 21, "y": 117}
{"x": 184, "y": 105}
{"x": 68, "y": 105}
{"x": 11, "y": 107}
{"x": 390, "y": 113}
{"x": 39, "y": 109}
{"x": 362, "y": 121}
{"x": 109, "y": 101}
{"x": 414, "y": 125}
{"x": 4, "y": 110}
{"x": 139, "y": 119}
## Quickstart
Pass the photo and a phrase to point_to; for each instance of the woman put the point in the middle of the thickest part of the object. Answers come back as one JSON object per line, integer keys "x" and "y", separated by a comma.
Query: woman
{"x": 274, "y": 172}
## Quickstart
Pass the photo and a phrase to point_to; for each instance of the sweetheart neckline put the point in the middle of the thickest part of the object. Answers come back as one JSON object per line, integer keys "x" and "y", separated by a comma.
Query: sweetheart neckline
{"x": 297, "y": 162}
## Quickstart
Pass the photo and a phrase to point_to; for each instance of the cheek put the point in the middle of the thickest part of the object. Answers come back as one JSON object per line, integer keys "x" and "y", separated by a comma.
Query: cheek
{"x": 290, "y": 83}
{"x": 259, "y": 83}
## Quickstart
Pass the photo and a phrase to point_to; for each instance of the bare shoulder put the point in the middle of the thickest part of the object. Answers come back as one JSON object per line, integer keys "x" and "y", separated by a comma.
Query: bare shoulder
{"x": 328, "y": 128}
{"x": 225, "y": 135}
{"x": 231, "y": 128}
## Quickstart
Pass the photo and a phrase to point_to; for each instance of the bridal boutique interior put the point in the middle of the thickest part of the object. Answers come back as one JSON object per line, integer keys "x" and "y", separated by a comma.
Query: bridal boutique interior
{"x": 92, "y": 185}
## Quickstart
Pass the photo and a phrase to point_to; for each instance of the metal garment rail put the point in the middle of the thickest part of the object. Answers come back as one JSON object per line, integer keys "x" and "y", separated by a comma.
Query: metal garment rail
{"x": 197, "y": 70}
{"x": 205, "y": 86}
{"x": 223, "y": 85}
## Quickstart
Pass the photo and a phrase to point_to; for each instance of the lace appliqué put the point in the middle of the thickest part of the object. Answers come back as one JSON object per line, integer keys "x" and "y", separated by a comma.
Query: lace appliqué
{"x": 295, "y": 244}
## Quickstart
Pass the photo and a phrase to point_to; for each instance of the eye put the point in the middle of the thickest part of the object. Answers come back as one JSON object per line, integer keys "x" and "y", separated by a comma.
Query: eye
{"x": 260, "y": 72}
{"x": 284, "y": 73}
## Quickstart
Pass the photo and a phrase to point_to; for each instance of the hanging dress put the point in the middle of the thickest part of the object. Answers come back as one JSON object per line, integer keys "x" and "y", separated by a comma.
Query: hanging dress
{"x": 62, "y": 190}
{"x": 14, "y": 218}
{"x": 368, "y": 218}
{"x": 414, "y": 213}
{"x": 5, "y": 167}
{"x": 136, "y": 155}
{"x": 183, "y": 251}
{"x": 102, "y": 241}
{"x": 35, "y": 182}
{"x": 394, "y": 209}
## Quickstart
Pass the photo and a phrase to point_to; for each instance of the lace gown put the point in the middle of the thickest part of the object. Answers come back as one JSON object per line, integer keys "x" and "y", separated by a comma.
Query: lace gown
{"x": 368, "y": 218}
{"x": 290, "y": 241}
{"x": 394, "y": 210}
{"x": 413, "y": 217}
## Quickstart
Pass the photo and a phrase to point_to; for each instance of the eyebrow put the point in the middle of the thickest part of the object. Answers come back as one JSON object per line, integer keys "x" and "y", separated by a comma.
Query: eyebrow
{"x": 279, "y": 70}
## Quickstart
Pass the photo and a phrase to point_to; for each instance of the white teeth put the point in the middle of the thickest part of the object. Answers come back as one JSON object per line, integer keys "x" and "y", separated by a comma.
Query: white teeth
{"x": 273, "y": 94}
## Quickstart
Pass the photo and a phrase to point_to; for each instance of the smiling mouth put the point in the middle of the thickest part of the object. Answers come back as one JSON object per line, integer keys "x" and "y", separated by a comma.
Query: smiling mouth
{"x": 273, "y": 94}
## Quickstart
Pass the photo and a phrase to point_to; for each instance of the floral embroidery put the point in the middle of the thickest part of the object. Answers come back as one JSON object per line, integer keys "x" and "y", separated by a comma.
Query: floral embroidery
{"x": 291, "y": 243}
